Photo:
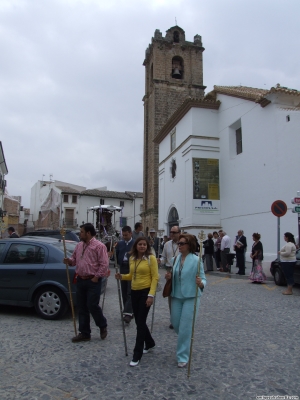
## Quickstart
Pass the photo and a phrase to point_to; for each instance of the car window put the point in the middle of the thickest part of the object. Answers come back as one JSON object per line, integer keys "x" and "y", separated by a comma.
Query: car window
{"x": 25, "y": 254}
{"x": 2, "y": 245}
{"x": 70, "y": 247}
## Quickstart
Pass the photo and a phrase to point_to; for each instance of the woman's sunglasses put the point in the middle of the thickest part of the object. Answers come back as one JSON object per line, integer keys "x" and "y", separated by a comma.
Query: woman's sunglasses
{"x": 181, "y": 243}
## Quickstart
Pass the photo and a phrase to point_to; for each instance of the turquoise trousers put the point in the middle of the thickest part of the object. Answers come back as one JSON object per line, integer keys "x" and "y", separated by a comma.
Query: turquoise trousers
{"x": 182, "y": 312}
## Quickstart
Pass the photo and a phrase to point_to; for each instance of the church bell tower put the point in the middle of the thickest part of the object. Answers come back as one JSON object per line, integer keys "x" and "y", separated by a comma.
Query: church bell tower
{"x": 173, "y": 72}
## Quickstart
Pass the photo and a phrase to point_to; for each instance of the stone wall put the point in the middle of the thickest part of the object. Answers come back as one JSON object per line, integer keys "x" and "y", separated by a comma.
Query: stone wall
{"x": 163, "y": 97}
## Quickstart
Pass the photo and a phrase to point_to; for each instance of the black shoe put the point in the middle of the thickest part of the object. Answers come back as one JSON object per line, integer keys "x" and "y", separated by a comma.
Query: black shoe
{"x": 103, "y": 333}
{"x": 80, "y": 338}
{"x": 171, "y": 326}
{"x": 127, "y": 319}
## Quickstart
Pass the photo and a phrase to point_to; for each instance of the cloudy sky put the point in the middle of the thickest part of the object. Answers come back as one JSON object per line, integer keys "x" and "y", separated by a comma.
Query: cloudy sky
{"x": 72, "y": 79}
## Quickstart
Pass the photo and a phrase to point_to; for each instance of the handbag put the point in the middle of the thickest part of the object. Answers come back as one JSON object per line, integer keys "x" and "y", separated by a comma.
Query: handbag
{"x": 168, "y": 285}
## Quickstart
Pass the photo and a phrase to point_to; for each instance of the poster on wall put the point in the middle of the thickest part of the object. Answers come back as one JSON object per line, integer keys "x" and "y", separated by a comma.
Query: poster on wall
{"x": 206, "y": 191}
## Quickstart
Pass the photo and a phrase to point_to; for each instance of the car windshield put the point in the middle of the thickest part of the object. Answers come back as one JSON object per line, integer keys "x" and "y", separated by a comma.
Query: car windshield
{"x": 70, "y": 247}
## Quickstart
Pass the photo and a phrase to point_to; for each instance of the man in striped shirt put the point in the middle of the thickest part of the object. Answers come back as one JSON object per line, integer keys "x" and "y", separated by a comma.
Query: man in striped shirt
{"x": 91, "y": 260}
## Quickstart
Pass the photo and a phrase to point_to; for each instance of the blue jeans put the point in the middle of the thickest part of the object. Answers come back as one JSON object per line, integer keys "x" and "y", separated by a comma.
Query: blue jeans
{"x": 288, "y": 270}
{"x": 88, "y": 297}
{"x": 182, "y": 313}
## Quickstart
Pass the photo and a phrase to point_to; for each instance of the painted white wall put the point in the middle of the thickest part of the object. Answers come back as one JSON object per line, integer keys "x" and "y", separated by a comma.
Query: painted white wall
{"x": 250, "y": 182}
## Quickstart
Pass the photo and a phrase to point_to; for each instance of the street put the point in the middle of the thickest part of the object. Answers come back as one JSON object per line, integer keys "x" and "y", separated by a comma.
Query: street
{"x": 246, "y": 344}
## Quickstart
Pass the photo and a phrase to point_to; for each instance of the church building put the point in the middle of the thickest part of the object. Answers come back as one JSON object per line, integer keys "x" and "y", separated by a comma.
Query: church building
{"x": 217, "y": 161}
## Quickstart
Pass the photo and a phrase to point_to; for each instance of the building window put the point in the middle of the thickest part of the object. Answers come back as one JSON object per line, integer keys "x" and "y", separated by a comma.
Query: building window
{"x": 66, "y": 198}
{"x": 123, "y": 221}
{"x": 173, "y": 140}
{"x": 74, "y": 199}
{"x": 238, "y": 137}
{"x": 101, "y": 202}
{"x": 176, "y": 37}
{"x": 121, "y": 203}
{"x": 173, "y": 168}
{"x": 206, "y": 178}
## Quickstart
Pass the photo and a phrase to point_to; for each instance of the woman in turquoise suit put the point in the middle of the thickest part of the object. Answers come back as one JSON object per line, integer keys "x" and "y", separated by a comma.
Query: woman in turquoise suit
{"x": 184, "y": 280}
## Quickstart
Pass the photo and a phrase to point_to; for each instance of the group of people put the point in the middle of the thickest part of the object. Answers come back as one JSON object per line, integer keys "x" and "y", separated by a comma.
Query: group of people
{"x": 138, "y": 261}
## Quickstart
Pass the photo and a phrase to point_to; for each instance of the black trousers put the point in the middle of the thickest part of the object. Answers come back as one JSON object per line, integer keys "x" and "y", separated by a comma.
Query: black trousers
{"x": 126, "y": 291}
{"x": 140, "y": 310}
{"x": 88, "y": 297}
{"x": 240, "y": 263}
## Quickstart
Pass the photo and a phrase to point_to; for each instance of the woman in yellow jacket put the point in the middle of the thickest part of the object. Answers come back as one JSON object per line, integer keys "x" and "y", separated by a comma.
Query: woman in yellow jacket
{"x": 143, "y": 274}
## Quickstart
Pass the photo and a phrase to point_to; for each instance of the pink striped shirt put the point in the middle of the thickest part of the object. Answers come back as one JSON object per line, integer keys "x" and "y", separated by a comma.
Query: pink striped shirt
{"x": 91, "y": 259}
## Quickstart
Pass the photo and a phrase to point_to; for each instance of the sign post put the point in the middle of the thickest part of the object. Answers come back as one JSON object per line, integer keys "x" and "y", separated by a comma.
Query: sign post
{"x": 279, "y": 209}
{"x": 296, "y": 209}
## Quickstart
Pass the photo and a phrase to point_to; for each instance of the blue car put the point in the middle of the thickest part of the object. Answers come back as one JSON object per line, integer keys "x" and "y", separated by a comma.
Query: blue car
{"x": 32, "y": 274}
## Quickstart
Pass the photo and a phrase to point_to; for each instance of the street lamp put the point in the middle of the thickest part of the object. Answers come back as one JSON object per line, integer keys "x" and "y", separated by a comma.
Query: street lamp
{"x": 134, "y": 197}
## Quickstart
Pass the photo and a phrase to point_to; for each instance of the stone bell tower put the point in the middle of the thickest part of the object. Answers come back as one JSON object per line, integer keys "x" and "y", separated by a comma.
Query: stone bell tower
{"x": 173, "y": 72}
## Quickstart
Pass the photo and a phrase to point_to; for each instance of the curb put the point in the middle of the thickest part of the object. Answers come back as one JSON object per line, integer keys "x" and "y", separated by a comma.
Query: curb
{"x": 233, "y": 275}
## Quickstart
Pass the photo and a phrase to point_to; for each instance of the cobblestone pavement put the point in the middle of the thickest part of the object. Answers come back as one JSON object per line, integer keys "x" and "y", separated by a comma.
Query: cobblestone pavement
{"x": 246, "y": 345}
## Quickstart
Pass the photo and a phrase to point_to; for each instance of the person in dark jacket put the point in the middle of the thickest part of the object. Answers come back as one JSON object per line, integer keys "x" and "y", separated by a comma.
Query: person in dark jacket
{"x": 208, "y": 245}
{"x": 12, "y": 233}
{"x": 240, "y": 248}
{"x": 122, "y": 249}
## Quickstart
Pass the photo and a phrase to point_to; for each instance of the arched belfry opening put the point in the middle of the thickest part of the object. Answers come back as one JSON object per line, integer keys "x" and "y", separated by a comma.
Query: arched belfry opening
{"x": 173, "y": 218}
{"x": 176, "y": 37}
{"x": 177, "y": 67}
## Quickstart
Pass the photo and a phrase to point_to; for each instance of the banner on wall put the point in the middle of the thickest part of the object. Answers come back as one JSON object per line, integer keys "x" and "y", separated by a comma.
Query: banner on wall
{"x": 206, "y": 206}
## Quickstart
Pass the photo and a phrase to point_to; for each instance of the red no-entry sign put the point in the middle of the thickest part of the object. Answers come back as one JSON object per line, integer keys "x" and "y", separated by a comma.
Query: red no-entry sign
{"x": 279, "y": 208}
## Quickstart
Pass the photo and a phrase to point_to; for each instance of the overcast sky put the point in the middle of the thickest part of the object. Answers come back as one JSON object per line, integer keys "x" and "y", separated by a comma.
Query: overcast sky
{"x": 72, "y": 79}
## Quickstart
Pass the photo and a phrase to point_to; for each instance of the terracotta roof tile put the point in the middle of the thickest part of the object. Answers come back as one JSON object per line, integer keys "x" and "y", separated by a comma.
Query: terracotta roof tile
{"x": 109, "y": 194}
{"x": 67, "y": 189}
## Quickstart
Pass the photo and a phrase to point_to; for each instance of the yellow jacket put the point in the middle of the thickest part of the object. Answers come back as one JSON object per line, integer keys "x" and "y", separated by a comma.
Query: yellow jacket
{"x": 143, "y": 274}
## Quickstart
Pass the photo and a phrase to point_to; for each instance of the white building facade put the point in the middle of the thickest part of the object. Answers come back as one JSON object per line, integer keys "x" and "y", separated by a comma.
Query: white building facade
{"x": 224, "y": 160}
{"x": 55, "y": 203}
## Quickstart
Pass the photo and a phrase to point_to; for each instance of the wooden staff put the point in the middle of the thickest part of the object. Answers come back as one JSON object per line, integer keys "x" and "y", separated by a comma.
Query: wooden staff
{"x": 120, "y": 302}
{"x": 63, "y": 232}
{"x": 153, "y": 307}
{"x": 111, "y": 240}
{"x": 201, "y": 237}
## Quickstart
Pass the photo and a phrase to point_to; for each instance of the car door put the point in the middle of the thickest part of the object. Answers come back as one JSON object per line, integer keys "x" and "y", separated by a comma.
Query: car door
{"x": 21, "y": 267}
{"x": 297, "y": 268}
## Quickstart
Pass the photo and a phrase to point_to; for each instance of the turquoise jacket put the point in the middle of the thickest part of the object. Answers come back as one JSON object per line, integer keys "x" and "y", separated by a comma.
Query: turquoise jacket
{"x": 188, "y": 275}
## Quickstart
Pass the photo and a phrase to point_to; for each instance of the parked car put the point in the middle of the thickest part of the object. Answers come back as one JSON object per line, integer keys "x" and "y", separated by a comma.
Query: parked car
{"x": 70, "y": 235}
{"x": 32, "y": 274}
{"x": 277, "y": 272}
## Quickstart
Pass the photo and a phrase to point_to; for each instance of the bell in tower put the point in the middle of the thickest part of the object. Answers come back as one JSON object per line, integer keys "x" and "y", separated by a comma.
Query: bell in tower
{"x": 177, "y": 68}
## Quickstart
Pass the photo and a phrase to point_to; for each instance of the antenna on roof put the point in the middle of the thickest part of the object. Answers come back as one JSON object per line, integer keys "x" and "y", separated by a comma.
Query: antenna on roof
{"x": 175, "y": 21}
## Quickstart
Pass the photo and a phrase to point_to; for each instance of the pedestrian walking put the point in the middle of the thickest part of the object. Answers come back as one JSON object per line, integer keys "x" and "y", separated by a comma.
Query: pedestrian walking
{"x": 225, "y": 249}
{"x": 170, "y": 250}
{"x": 184, "y": 278}
{"x": 12, "y": 232}
{"x": 123, "y": 249}
{"x": 257, "y": 274}
{"x": 91, "y": 260}
{"x": 240, "y": 246}
{"x": 288, "y": 260}
{"x": 143, "y": 274}
{"x": 208, "y": 245}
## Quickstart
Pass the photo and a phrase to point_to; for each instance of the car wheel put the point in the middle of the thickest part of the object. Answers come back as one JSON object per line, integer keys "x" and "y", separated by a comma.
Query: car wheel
{"x": 50, "y": 302}
{"x": 279, "y": 278}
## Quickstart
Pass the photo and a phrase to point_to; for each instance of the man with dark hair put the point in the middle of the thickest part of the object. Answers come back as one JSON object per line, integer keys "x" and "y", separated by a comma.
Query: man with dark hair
{"x": 170, "y": 251}
{"x": 122, "y": 249}
{"x": 12, "y": 233}
{"x": 138, "y": 228}
{"x": 91, "y": 260}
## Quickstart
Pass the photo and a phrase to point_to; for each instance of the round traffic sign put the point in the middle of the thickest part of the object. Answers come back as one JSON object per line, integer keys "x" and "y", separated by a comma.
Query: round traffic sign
{"x": 279, "y": 208}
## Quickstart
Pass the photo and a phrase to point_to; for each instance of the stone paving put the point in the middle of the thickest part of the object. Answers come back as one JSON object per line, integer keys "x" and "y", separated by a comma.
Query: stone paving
{"x": 246, "y": 345}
